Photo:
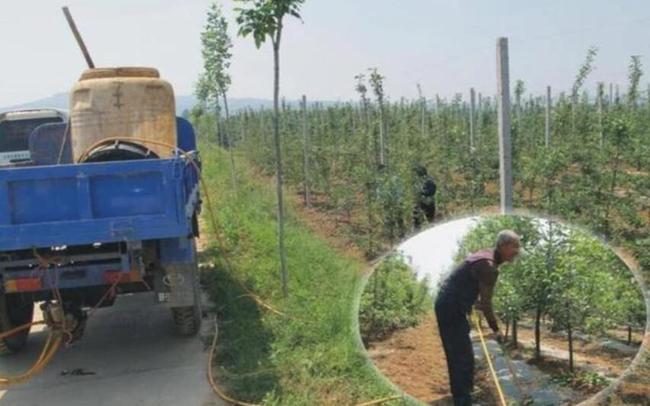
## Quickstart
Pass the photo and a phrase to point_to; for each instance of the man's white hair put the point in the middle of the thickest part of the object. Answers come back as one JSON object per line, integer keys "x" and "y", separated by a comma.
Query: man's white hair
{"x": 507, "y": 237}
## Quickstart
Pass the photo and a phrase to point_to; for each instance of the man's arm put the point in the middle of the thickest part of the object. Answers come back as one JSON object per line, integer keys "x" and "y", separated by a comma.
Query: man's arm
{"x": 487, "y": 277}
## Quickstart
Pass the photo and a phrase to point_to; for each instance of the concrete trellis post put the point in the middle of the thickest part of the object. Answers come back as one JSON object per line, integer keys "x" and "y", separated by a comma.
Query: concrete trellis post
{"x": 547, "y": 127}
{"x": 305, "y": 150}
{"x": 472, "y": 102}
{"x": 505, "y": 145}
{"x": 599, "y": 99}
{"x": 611, "y": 94}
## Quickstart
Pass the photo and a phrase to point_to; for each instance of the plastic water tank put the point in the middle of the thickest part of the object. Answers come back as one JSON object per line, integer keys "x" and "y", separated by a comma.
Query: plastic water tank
{"x": 126, "y": 102}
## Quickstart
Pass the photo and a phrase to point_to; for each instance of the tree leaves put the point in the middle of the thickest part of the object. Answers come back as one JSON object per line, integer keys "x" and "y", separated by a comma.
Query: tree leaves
{"x": 568, "y": 274}
{"x": 215, "y": 80}
{"x": 263, "y": 18}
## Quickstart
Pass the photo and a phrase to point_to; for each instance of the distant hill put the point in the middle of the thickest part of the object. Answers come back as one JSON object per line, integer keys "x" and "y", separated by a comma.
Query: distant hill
{"x": 58, "y": 101}
{"x": 183, "y": 102}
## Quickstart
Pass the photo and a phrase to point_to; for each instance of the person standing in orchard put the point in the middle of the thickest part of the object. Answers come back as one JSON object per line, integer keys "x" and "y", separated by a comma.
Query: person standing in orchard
{"x": 475, "y": 277}
{"x": 425, "y": 204}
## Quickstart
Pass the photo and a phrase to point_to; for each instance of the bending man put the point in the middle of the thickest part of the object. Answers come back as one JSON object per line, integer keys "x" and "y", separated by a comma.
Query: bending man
{"x": 475, "y": 277}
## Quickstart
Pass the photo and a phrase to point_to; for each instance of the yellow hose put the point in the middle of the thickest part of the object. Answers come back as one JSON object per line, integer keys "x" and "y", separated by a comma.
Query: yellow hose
{"x": 19, "y": 328}
{"x": 54, "y": 338}
{"x": 52, "y": 344}
{"x": 380, "y": 401}
{"x": 489, "y": 361}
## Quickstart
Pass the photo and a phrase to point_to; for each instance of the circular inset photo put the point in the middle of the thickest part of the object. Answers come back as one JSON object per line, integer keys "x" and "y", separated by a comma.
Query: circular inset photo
{"x": 505, "y": 308}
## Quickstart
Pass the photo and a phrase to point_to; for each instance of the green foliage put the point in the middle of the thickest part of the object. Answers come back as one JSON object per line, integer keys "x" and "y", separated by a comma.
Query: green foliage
{"x": 594, "y": 174}
{"x": 263, "y": 18}
{"x": 393, "y": 299}
{"x": 580, "y": 178}
{"x": 514, "y": 278}
{"x": 584, "y": 380}
{"x": 585, "y": 69}
{"x": 377, "y": 83}
{"x": 564, "y": 273}
{"x": 635, "y": 73}
{"x": 264, "y": 357}
{"x": 216, "y": 52}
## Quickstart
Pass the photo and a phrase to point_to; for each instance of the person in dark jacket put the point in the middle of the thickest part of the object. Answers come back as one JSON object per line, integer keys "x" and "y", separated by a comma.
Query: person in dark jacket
{"x": 474, "y": 278}
{"x": 425, "y": 205}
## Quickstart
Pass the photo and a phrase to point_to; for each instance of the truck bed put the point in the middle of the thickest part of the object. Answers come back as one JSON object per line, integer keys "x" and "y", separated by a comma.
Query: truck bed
{"x": 52, "y": 206}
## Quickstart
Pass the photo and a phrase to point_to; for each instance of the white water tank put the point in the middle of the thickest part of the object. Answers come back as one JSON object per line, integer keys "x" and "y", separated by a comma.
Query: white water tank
{"x": 130, "y": 103}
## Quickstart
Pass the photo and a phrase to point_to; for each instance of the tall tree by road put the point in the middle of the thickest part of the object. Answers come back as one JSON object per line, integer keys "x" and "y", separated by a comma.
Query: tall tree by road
{"x": 264, "y": 19}
{"x": 215, "y": 79}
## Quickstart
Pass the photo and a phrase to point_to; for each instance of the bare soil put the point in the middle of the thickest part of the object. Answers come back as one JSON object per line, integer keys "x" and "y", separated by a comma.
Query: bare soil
{"x": 414, "y": 360}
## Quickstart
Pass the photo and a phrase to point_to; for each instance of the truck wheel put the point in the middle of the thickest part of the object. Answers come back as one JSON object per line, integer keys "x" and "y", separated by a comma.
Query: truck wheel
{"x": 15, "y": 311}
{"x": 187, "y": 320}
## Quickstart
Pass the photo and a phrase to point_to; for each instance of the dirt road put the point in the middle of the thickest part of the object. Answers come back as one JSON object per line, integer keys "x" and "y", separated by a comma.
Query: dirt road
{"x": 134, "y": 356}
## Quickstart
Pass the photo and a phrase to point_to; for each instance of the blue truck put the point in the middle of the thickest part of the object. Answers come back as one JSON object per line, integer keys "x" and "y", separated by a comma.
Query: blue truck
{"x": 82, "y": 233}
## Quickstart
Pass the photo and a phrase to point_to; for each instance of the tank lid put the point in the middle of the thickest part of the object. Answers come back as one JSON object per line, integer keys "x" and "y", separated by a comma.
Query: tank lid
{"x": 121, "y": 72}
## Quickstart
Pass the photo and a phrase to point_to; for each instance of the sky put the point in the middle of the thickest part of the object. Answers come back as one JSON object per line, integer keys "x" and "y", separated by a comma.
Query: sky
{"x": 431, "y": 252}
{"x": 446, "y": 46}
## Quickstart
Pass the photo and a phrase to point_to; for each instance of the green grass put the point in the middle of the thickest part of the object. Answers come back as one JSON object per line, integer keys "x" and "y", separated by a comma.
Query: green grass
{"x": 313, "y": 356}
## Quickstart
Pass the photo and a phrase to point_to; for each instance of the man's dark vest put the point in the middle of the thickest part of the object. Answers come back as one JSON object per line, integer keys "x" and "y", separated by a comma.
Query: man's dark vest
{"x": 461, "y": 288}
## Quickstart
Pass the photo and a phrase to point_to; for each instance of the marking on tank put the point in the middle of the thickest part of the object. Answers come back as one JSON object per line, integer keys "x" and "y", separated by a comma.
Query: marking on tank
{"x": 118, "y": 95}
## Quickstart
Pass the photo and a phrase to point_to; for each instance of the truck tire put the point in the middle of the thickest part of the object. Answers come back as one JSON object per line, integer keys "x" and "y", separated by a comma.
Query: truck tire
{"x": 15, "y": 311}
{"x": 187, "y": 319}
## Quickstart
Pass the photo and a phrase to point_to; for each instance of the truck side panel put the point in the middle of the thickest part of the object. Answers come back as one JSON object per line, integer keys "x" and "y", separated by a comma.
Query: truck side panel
{"x": 99, "y": 202}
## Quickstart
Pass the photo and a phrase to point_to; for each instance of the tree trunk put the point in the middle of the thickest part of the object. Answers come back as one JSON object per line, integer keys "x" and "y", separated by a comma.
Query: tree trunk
{"x": 629, "y": 334}
{"x": 242, "y": 132}
{"x": 371, "y": 223}
{"x": 507, "y": 330}
{"x": 570, "y": 332}
{"x": 228, "y": 140}
{"x": 610, "y": 197}
{"x": 382, "y": 135}
{"x": 514, "y": 332}
{"x": 305, "y": 151}
{"x": 423, "y": 122}
{"x": 573, "y": 118}
{"x": 217, "y": 125}
{"x": 472, "y": 99}
{"x": 538, "y": 317}
{"x": 600, "y": 118}
{"x": 278, "y": 159}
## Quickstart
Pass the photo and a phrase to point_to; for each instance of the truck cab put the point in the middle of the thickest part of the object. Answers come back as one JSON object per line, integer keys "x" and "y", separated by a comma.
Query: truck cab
{"x": 15, "y": 129}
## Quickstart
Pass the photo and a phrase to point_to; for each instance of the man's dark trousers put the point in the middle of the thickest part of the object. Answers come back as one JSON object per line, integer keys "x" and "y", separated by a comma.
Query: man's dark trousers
{"x": 454, "y": 333}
